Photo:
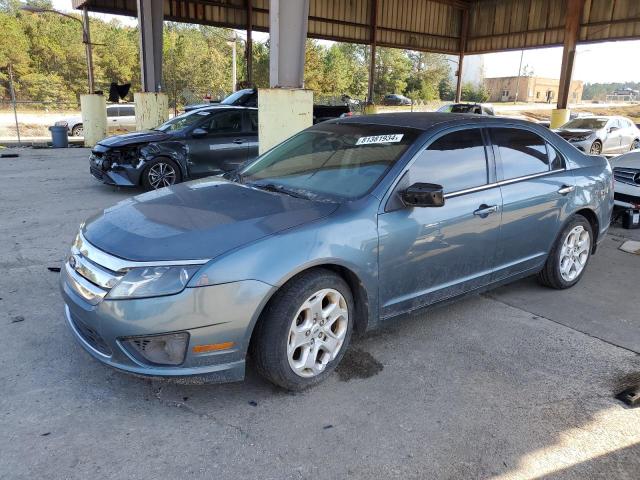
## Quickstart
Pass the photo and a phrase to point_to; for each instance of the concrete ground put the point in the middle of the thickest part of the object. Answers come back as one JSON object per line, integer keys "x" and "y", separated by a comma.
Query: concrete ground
{"x": 515, "y": 384}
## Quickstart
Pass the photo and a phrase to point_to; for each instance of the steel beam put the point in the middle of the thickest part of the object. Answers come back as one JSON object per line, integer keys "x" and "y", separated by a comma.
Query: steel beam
{"x": 571, "y": 32}
{"x": 150, "y": 17}
{"x": 288, "y": 21}
{"x": 372, "y": 59}
{"x": 249, "y": 44}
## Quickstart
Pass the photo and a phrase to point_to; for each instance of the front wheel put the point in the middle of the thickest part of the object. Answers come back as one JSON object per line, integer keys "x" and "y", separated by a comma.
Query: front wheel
{"x": 161, "y": 173}
{"x": 635, "y": 145}
{"x": 304, "y": 331}
{"x": 77, "y": 131}
{"x": 596, "y": 148}
{"x": 569, "y": 256}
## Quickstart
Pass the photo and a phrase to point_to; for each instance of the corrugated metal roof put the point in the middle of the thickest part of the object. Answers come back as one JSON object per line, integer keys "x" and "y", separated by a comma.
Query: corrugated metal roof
{"x": 430, "y": 25}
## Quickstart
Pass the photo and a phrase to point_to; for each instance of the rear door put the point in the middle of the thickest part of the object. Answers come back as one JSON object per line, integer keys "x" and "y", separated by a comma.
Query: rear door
{"x": 222, "y": 148}
{"x": 429, "y": 254}
{"x": 536, "y": 188}
{"x": 127, "y": 118}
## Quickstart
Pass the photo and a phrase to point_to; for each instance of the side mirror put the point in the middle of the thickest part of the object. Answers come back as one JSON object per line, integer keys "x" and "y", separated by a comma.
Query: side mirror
{"x": 423, "y": 195}
{"x": 198, "y": 133}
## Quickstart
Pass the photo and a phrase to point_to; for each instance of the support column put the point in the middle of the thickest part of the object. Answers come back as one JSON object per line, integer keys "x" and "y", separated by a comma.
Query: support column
{"x": 152, "y": 106}
{"x": 249, "y": 45}
{"x": 573, "y": 16}
{"x": 372, "y": 59}
{"x": 94, "y": 118}
{"x": 286, "y": 107}
{"x": 464, "y": 30}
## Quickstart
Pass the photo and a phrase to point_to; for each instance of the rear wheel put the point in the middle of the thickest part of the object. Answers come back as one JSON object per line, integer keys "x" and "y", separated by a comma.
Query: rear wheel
{"x": 160, "y": 173}
{"x": 304, "y": 331}
{"x": 596, "y": 148}
{"x": 635, "y": 145}
{"x": 77, "y": 131}
{"x": 569, "y": 256}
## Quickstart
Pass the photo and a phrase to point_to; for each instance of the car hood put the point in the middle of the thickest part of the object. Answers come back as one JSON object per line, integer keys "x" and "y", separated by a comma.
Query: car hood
{"x": 574, "y": 132}
{"x": 145, "y": 136}
{"x": 628, "y": 160}
{"x": 197, "y": 220}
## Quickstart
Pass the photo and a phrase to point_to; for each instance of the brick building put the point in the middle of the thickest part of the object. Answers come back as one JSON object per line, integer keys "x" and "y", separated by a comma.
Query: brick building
{"x": 530, "y": 89}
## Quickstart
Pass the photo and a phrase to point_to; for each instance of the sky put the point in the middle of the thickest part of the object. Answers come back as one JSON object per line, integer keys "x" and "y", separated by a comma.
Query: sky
{"x": 604, "y": 62}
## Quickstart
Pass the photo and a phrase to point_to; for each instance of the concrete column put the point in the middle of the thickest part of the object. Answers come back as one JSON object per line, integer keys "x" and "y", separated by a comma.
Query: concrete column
{"x": 152, "y": 109}
{"x": 94, "y": 118}
{"x": 285, "y": 108}
{"x": 150, "y": 16}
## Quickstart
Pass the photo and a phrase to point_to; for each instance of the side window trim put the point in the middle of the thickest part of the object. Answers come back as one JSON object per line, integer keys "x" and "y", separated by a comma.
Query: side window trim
{"x": 489, "y": 155}
{"x": 500, "y": 180}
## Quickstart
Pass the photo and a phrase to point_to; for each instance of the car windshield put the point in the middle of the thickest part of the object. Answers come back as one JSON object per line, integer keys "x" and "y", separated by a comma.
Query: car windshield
{"x": 586, "y": 123}
{"x": 237, "y": 98}
{"x": 334, "y": 162}
{"x": 182, "y": 121}
{"x": 463, "y": 108}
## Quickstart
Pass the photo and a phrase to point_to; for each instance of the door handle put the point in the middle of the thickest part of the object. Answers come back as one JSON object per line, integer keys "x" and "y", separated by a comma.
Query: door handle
{"x": 484, "y": 210}
{"x": 238, "y": 141}
{"x": 566, "y": 189}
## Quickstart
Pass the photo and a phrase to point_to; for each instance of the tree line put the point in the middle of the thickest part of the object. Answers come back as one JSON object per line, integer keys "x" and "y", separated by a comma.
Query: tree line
{"x": 49, "y": 65}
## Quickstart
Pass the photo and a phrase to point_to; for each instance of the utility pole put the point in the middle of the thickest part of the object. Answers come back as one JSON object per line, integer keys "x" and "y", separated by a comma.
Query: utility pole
{"x": 13, "y": 101}
{"x": 515, "y": 100}
{"x": 86, "y": 39}
{"x": 234, "y": 73}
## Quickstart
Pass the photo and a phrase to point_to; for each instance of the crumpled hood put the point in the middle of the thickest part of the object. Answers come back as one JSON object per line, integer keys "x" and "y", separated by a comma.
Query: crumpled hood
{"x": 145, "y": 136}
{"x": 574, "y": 132}
{"x": 197, "y": 220}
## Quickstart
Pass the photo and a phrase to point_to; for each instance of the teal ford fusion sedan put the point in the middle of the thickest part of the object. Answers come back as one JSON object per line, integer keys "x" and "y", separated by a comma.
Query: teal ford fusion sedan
{"x": 339, "y": 229}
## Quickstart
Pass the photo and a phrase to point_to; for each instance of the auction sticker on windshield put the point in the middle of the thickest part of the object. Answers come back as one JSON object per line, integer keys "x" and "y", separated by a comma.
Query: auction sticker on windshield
{"x": 393, "y": 138}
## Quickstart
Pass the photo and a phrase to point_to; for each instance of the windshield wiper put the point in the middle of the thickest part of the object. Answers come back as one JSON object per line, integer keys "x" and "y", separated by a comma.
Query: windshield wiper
{"x": 271, "y": 187}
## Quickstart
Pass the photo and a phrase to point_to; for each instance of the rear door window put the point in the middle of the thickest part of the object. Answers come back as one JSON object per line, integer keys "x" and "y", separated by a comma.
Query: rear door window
{"x": 456, "y": 161}
{"x": 127, "y": 112}
{"x": 521, "y": 152}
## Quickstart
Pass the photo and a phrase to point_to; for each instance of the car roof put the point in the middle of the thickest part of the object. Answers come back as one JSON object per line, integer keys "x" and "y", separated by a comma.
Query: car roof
{"x": 425, "y": 120}
{"x": 219, "y": 106}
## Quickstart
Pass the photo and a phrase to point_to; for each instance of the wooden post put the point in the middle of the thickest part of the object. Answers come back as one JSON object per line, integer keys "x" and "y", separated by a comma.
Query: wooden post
{"x": 372, "y": 60}
{"x": 571, "y": 32}
{"x": 249, "y": 44}
{"x": 464, "y": 30}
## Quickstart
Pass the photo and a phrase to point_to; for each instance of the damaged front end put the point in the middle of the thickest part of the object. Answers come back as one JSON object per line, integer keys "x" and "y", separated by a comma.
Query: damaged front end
{"x": 121, "y": 166}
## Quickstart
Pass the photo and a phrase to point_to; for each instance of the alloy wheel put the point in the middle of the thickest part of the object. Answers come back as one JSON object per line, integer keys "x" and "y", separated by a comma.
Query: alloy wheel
{"x": 574, "y": 253}
{"x": 161, "y": 175}
{"x": 635, "y": 145}
{"x": 596, "y": 148}
{"x": 317, "y": 332}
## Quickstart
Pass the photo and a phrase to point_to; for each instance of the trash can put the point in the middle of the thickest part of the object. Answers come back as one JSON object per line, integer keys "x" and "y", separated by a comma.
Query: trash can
{"x": 59, "y": 136}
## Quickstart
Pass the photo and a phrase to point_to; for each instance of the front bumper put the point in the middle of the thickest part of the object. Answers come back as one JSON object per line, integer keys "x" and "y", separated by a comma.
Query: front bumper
{"x": 111, "y": 173}
{"x": 210, "y": 315}
{"x": 626, "y": 196}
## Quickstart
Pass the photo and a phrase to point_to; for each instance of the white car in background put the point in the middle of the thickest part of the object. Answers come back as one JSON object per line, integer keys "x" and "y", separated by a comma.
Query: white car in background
{"x": 626, "y": 174}
{"x": 121, "y": 118}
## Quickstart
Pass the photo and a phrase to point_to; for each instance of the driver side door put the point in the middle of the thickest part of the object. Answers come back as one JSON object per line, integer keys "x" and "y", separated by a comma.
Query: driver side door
{"x": 221, "y": 147}
{"x": 429, "y": 254}
{"x": 613, "y": 139}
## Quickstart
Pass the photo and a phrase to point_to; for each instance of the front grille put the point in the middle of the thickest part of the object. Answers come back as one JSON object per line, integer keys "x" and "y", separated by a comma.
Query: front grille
{"x": 92, "y": 337}
{"x": 630, "y": 176}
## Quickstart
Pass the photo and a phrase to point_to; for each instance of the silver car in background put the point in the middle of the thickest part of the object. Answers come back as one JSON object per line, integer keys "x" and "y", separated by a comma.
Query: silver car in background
{"x": 601, "y": 135}
{"x": 120, "y": 118}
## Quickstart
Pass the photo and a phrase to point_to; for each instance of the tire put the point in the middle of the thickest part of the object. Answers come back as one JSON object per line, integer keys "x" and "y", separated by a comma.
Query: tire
{"x": 77, "y": 130}
{"x": 634, "y": 145}
{"x": 290, "y": 331}
{"x": 162, "y": 172}
{"x": 596, "y": 148}
{"x": 557, "y": 272}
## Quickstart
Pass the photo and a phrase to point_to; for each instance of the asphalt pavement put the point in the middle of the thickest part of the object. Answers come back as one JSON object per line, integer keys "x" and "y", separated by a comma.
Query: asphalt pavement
{"x": 517, "y": 383}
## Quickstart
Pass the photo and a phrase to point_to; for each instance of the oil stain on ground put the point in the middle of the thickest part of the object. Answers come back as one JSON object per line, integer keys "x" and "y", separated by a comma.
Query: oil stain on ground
{"x": 358, "y": 363}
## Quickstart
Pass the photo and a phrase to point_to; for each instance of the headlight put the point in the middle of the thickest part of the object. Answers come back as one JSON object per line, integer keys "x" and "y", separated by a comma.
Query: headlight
{"x": 579, "y": 139}
{"x": 152, "y": 282}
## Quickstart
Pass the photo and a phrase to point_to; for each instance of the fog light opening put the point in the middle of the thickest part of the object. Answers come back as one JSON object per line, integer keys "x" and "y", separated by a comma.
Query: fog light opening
{"x": 167, "y": 349}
